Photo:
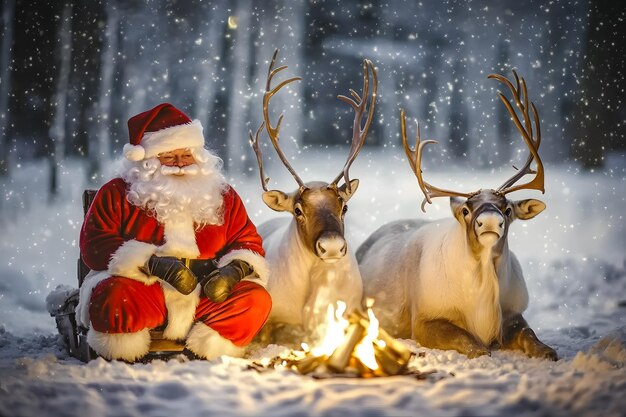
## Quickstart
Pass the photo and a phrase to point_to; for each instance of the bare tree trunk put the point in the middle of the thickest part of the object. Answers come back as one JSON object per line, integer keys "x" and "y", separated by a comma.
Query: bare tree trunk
{"x": 459, "y": 141}
{"x": 239, "y": 95}
{"x": 602, "y": 85}
{"x": 5, "y": 84}
{"x": 57, "y": 128}
{"x": 291, "y": 35}
{"x": 288, "y": 38}
{"x": 137, "y": 71}
{"x": 207, "y": 89}
{"x": 262, "y": 54}
{"x": 503, "y": 143}
{"x": 99, "y": 146}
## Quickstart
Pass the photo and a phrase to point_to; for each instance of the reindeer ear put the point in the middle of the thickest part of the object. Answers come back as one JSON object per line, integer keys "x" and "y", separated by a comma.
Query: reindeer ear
{"x": 527, "y": 209}
{"x": 343, "y": 190}
{"x": 277, "y": 200}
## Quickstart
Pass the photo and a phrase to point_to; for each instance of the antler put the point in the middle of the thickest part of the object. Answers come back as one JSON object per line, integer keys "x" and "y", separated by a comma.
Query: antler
{"x": 537, "y": 183}
{"x": 415, "y": 160}
{"x": 274, "y": 131}
{"x": 360, "y": 105}
{"x": 254, "y": 141}
{"x": 520, "y": 95}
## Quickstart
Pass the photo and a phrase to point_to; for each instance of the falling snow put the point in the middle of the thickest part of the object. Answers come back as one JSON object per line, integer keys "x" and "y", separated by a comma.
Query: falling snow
{"x": 71, "y": 73}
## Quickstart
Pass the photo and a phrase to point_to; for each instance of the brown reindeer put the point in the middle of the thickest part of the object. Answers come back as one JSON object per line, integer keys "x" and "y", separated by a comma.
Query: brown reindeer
{"x": 454, "y": 283}
{"x": 311, "y": 263}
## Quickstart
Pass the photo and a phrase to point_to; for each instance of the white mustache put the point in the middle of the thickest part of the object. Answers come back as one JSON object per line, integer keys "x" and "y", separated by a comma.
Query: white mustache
{"x": 192, "y": 169}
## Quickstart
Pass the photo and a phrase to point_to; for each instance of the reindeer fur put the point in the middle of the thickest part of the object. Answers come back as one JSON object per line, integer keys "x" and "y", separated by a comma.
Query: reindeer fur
{"x": 301, "y": 285}
{"x": 429, "y": 284}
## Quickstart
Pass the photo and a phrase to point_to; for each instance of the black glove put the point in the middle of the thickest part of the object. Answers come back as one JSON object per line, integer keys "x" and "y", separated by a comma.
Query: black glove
{"x": 172, "y": 271}
{"x": 219, "y": 283}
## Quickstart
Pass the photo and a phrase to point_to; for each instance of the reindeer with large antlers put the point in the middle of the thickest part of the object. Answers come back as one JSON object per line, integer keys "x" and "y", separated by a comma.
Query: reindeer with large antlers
{"x": 454, "y": 284}
{"x": 311, "y": 263}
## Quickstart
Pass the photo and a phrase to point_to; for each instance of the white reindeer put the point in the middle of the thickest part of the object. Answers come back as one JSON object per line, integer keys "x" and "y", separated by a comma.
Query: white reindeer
{"x": 454, "y": 283}
{"x": 311, "y": 264}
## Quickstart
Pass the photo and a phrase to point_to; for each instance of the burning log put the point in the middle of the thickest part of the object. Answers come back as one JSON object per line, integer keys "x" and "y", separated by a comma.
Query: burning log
{"x": 340, "y": 358}
{"x": 388, "y": 362}
{"x": 364, "y": 350}
{"x": 308, "y": 364}
{"x": 390, "y": 354}
{"x": 352, "y": 347}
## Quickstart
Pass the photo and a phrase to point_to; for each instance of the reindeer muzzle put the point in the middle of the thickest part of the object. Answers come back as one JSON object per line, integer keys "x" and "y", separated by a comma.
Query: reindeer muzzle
{"x": 330, "y": 248}
{"x": 489, "y": 225}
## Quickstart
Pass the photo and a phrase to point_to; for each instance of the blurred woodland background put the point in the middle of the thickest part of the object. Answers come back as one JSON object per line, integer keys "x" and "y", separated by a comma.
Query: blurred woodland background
{"x": 73, "y": 72}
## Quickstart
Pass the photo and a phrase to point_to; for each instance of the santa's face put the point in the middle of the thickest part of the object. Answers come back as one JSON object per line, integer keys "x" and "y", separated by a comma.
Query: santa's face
{"x": 176, "y": 161}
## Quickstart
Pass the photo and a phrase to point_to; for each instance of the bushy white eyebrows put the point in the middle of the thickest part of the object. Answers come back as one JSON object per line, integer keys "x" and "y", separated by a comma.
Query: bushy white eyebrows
{"x": 185, "y": 154}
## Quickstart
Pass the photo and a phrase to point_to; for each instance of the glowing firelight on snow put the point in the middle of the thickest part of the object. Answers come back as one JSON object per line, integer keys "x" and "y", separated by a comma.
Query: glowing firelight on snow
{"x": 336, "y": 332}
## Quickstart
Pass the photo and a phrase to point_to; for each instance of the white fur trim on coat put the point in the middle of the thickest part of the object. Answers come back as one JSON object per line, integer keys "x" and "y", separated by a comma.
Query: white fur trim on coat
{"x": 181, "y": 311}
{"x": 127, "y": 259}
{"x": 125, "y": 346}
{"x": 207, "y": 343}
{"x": 187, "y": 135}
{"x": 180, "y": 239}
{"x": 92, "y": 279}
{"x": 256, "y": 261}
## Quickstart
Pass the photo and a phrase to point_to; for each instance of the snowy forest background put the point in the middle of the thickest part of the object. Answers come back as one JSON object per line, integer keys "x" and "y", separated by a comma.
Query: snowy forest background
{"x": 72, "y": 73}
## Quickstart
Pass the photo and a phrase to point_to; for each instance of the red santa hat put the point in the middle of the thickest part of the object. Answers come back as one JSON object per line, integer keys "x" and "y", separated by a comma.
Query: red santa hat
{"x": 161, "y": 129}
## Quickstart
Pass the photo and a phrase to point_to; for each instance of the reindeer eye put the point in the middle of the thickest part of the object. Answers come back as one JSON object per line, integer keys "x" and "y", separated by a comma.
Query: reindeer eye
{"x": 297, "y": 211}
{"x": 507, "y": 211}
{"x": 465, "y": 211}
{"x": 344, "y": 209}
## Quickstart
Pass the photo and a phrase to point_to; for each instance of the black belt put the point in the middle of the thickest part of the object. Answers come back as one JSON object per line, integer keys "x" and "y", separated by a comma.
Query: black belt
{"x": 200, "y": 267}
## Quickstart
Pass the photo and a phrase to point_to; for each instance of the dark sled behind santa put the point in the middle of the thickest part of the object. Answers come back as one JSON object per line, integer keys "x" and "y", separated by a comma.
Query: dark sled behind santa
{"x": 75, "y": 336}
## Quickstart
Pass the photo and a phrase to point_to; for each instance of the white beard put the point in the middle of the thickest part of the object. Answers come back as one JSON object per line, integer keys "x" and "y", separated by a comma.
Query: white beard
{"x": 197, "y": 193}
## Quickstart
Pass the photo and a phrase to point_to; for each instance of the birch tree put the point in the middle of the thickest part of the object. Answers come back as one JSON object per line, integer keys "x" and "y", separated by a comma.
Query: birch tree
{"x": 5, "y": 84}
{"x": 281, "y": 25}
{"x": 99, "y": 141}
{"x": 239, "y": 92}
{"x": 57, "y": 127}
{"x": 458, "y": 141}
{"x": 207, "y": 88}
{"x": 505, "y": 135}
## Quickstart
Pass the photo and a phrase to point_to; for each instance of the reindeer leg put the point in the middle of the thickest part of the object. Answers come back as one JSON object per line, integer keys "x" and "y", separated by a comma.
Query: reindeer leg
{"x": 517, "y": 335}
{"x": 442, "y": 334}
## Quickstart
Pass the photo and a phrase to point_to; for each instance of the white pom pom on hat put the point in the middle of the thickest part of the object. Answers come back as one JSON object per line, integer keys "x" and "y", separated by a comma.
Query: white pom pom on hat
{"x": 134, "y": 152}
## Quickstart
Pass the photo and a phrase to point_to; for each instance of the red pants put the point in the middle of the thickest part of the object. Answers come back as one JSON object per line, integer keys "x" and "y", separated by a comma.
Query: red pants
{"x": 123, "y": 305}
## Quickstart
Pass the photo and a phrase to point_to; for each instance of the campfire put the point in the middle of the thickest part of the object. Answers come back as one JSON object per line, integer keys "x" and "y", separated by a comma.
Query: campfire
{"x": 353, "y": 346}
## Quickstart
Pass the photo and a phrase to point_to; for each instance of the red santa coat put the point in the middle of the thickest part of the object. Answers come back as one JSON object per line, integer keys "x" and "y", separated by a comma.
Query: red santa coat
{"x": 118, "y": 237}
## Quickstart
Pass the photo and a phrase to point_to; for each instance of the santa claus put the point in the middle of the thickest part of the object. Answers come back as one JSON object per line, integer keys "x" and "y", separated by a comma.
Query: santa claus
{"x": 169, "y": 243}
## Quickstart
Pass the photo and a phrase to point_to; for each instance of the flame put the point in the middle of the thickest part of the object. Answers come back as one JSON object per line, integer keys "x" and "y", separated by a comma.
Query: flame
{"x": 336, "y": 329}
{"x": 335, "y": 332}
{"x": 365, "y": 349}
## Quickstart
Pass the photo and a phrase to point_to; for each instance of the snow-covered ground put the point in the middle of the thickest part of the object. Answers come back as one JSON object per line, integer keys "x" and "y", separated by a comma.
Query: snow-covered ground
{"x": 573, "y": 256}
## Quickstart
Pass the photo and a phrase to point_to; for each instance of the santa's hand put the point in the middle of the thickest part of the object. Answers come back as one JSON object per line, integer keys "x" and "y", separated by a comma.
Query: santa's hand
{"x": 219, "y": 283}
{"x": 172, "y": 271}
